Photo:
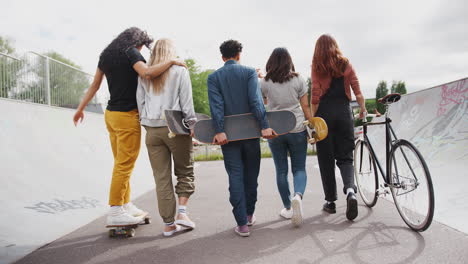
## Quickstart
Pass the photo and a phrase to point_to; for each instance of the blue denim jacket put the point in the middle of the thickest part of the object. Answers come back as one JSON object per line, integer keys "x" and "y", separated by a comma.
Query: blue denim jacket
{"x": 234, "y": 89}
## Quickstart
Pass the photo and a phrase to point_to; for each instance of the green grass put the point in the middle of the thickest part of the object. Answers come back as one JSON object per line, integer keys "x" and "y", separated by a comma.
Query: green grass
{"x": 212, "y": 157}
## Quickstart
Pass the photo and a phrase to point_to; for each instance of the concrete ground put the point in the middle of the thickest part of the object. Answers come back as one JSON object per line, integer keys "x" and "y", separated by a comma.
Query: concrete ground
{"x": 377, "y": 236}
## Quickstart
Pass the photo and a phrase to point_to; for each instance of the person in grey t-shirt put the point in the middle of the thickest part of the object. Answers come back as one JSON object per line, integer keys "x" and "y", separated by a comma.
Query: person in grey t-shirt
{"x": 283, "y": 89}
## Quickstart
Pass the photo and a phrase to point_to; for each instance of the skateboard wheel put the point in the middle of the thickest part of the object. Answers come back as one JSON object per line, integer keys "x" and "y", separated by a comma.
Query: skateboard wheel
{"x": 312, "y": 141}
{"x": 131, "y": 232}
{"x": 171, "y": 135}
{"x": 306, "y": 123}
{"x": 147, "y": 221}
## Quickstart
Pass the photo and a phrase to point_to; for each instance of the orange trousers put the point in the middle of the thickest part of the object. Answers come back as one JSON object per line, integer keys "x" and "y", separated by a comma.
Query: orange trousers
{"x": 125, "y": 136}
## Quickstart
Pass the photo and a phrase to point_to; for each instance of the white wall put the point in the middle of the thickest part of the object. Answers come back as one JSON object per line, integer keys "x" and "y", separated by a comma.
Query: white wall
{"x": 436, "y": 122}
{"x": 54, "y": 177}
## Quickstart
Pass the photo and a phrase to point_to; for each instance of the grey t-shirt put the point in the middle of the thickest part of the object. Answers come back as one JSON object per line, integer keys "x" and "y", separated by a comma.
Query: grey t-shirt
{"x": 286, "y": 96}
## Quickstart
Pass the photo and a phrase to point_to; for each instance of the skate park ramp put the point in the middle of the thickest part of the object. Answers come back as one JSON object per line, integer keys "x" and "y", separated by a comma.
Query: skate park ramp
{"x": 435, "y": 120}
{"x": 54, "y": 177}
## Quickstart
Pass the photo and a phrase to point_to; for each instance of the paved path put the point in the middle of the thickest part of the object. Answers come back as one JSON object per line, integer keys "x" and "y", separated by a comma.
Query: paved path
{"x": 377, "y": 235}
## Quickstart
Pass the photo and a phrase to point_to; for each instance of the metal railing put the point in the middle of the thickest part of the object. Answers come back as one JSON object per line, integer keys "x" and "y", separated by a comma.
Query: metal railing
{"x": 40, "y": 79}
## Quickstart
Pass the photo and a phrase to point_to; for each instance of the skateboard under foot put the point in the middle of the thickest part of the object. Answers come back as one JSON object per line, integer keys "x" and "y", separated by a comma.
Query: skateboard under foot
{"x": 127, "y": 230}
{"x": 317, "y": 129}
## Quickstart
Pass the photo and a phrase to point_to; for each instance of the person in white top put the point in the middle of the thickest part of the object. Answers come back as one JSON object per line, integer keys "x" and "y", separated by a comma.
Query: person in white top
{"x": 171, "y": 90}
{"x": 284, "y": 89}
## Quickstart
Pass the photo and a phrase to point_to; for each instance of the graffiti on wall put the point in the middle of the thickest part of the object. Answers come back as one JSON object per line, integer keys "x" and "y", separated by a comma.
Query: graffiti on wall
{"x": 448, "y": 130}
{"x": 58, "y": 205}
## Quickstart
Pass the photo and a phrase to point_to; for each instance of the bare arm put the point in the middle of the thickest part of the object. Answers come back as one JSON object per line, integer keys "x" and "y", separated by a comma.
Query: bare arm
{"x": 95, "y": 85}
{"x": 354, "y": 81}
{"x": 305, "y": 106}
{"x": 313, "y": 109}
{"x": 151, "y": 72}
{"x": 362, "y": 103}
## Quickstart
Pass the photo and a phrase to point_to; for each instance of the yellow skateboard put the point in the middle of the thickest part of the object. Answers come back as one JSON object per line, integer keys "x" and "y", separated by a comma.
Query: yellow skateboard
{"x": 317, "y": 129}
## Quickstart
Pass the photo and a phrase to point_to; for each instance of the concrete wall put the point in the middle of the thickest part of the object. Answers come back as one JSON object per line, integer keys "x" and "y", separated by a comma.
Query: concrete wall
{"x": 54, "y": 177}
{"x": 435, "y": 120}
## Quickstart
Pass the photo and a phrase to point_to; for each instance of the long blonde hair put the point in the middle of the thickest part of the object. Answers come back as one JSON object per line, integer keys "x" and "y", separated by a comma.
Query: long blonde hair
{"x": 163, "y": 51}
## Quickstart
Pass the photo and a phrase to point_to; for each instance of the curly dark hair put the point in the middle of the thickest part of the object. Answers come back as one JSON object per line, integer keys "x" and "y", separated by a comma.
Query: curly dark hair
{"x": 131, "y": 37}
{"x": 280, "y": 67}
{"x": 230, "y": 48}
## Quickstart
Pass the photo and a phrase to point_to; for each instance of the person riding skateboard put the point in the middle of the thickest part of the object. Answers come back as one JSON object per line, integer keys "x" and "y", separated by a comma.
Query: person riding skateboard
{"x": 234, "y": 89}
{"x": 121, "y": 63}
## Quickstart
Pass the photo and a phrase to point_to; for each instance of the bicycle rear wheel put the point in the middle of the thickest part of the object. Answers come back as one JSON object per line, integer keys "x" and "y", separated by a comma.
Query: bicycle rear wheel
{"x": 365, "y": 172}
{"x": 411, "y": 186}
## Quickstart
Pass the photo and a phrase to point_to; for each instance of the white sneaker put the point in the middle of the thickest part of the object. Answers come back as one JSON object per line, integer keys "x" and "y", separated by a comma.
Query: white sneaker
{"x": 118, "y": 216}
{"x": 132, "y": 210}
{"x": 286, "y": 213}
{"x": 296, "y": 205}
{"x": 172, "y": 232}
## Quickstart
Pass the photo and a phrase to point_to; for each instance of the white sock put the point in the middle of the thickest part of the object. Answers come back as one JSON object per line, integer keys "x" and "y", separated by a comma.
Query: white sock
{"x": 349, "y": 190}
{"x": 182, "y": 209}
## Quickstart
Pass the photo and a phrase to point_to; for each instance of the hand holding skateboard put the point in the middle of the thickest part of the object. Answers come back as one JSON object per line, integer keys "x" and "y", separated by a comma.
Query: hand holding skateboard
{"x": 317, "y": 129}
{"x": 269, "y": 133}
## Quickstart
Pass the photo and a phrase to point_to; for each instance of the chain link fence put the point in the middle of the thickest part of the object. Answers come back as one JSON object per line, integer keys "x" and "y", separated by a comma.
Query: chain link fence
{"x": 36, "y": 78}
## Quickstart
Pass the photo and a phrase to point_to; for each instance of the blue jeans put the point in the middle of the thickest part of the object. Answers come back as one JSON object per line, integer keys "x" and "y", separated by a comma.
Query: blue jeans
{"x": 296, "y": 145}
{"x": 242, "y": 163}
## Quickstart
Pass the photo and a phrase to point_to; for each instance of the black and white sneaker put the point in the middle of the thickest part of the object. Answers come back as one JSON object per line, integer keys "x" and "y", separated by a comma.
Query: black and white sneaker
{"x": 352, "y": 208}
{"x": 329, "y": 207}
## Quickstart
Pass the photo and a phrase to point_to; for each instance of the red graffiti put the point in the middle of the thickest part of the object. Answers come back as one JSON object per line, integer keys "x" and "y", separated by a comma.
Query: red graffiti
{"x": 452, "y": 95}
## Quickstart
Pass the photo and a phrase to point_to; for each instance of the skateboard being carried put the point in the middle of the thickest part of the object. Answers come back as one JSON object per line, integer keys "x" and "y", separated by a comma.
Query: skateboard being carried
{"x": 245, "y": 126}
{"x": 127, "y": 230}
{"x": 317, "y": 129}
{"x": 176, "y": 122}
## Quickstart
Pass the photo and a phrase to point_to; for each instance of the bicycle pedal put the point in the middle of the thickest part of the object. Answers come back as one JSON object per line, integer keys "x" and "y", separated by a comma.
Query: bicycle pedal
{"x": 383, "y": 191}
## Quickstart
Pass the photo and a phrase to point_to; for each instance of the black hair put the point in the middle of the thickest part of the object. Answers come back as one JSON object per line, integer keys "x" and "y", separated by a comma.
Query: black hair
{"x": 280, "y": 67}
{"x": 230, "y": 48}
{"x": 131, "y": 37}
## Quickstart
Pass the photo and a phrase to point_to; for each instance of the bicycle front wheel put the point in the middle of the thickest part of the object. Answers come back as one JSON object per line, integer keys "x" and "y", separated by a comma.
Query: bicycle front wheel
{"x": 365, "y": 173}
{"x": 411, "y": 186}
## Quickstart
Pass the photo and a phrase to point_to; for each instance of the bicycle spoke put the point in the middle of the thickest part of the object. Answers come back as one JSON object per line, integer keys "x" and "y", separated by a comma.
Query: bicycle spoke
{"x": 411, "y": 186}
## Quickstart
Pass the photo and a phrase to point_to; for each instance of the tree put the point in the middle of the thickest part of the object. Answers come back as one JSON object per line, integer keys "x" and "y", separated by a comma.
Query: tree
{"x": 398, "y": 87}
{"x": 6, "y": 46}
{"x": 199, "y": 86}
{"x": 66, "y": 81}
{"x": 9, "y": 68}
{"x": 67, "y": 85}
{"x": 309, "y": 88}
{"x": 380, "y": 92}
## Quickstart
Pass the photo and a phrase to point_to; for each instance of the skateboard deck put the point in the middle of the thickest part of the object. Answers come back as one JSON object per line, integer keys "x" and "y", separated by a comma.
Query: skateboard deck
{"x": 317, "y": 129}
{"x": 127, "y": 230}
{"x": 245, "y": 126}
{"x": 176, "y": 123}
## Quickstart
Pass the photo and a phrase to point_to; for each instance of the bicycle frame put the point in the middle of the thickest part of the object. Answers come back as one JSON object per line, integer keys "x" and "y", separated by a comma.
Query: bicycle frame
{"x": 389, "y": 133}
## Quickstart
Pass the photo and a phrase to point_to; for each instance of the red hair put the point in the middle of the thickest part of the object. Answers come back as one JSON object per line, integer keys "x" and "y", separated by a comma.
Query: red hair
{"x": 328, "y": 59}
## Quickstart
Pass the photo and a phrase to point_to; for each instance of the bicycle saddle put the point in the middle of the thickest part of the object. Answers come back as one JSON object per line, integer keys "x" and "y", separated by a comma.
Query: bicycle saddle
{"x": 390, "y": 98}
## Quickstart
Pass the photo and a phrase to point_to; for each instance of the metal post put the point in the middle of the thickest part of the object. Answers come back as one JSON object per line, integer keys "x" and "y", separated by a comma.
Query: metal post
{"x": 47, "y": 80}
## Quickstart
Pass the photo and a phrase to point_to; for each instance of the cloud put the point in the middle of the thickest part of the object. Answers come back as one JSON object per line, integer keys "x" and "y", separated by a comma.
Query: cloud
{"x": 420, "y": 42}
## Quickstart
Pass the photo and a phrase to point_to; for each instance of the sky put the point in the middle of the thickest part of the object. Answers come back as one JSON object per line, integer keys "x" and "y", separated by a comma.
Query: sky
{"x": 424, "y": 43}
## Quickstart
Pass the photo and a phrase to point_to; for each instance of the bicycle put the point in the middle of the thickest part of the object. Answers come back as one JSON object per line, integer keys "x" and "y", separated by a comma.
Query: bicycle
{"x": 407, "y": 175}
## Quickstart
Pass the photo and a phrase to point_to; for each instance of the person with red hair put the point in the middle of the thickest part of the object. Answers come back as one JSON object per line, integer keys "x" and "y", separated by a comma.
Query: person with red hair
{"x": 333, "y": 78}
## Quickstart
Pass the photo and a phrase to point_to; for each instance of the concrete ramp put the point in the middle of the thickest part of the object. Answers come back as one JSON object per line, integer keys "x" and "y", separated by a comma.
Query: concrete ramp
{"x": 435, "y": 120}
{"x": 54, "y": 177}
